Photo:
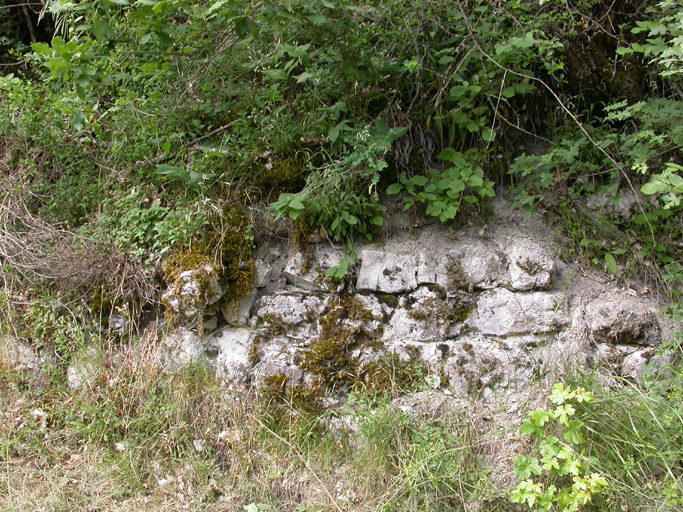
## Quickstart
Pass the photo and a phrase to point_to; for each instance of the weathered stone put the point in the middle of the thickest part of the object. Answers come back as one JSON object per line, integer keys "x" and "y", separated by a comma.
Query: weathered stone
{"x": 605, "y": 355}
{"x": 386, "y": 272}
{"x": 118, "y": 323}
{"x": 502, "y": 313}
{"x": 622, "y": 203}
{"x": 623, "y": 319}
{"x": 209, "y": 324}
{"x": 180, "y": 348}
{"x": 474, "y": 264}
{"x": 632, "y": 365}
{"x": 20, "y": 354}
{"x": 659, "y": 364}
{"x": 264, "y": 273}
{"x": 193, "y": 291}
{"x": 424, "y": 326}
{"x": 83, "y": 369}
{"x": 289, "y": 308}
{"x": 237, "y": 313}
{"x": 428, "y": 271}
{"x": 309, "y": 273}
{"x": 233, "y": 346}
{"x": 431, "y": 404}
{"x": 404, "y": 328}
{"x": 293, "y": 272}
{"x": 531, "y": 266}
{"x": 482, "y": 365}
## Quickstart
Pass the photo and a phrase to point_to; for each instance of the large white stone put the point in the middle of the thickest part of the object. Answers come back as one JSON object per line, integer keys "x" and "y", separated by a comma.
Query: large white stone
{"x": 290, "y": 308}
{"x": 631, "y": 366}
{"x": 233, "y": 345}
{"x": 531, "y": 265}
{"x": 623, "y": 319}
{"x": 479, "y": 264}
{"x": 237, "y": 312}
{"x": 502, "y": 313}
{"x": 480, "y": 365}
{"x": 179, "y": 348}
{"x": 385, "y": 272}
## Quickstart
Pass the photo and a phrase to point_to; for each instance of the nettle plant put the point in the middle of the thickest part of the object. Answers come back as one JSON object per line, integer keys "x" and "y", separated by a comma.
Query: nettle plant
{"x": 559, "y": 460}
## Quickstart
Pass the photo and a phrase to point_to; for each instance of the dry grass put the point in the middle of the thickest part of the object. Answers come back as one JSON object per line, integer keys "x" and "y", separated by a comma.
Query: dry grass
{"x": 40, "y": 252}
{"x": 129, "y": 439}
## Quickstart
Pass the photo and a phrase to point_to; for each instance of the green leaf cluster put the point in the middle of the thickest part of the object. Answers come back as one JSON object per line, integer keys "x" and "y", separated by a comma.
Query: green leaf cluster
{"x": 559, "y": 478}
{"x": 445, "y": 191}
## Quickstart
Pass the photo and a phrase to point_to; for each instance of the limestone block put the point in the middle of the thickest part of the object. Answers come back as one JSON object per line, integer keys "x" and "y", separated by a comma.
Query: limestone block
{"x": 295, "y": 275}
{"x": 193, "y": 291}
{"x": 531, "y": 265}
{"x": 290, "y": 308}
{"x": 237, "y": 312}
{"x": 623, "y": 319}
{"x": 480, "y": 365}
{"x": 20, "y": 354}
{"x": 233, "y": 346}
{"x": 264, "y": 273}
{"x": 428, "y": 270}
{"x": 180, "y": 348}
{"x": 385, "y": 272}
{"x": 632, "y": 365}
{"x": 83, "y": 369}
{"x": 474, "y": 264}
{"x": 502, "y": 313}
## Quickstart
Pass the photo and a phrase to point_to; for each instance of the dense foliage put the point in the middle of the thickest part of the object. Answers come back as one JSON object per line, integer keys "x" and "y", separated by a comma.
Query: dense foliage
{"x": 128, "y": 127}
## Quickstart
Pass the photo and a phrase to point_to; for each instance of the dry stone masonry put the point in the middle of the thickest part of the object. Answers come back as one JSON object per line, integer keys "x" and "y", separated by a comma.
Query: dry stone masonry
{"x": 483, "y": 311}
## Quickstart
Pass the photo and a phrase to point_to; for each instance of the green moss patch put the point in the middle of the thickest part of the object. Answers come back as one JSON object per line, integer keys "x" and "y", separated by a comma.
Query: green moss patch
{"x": 284, "y": 175}
{"x": 335, "y": 359}
{"x": 226, "y": 247}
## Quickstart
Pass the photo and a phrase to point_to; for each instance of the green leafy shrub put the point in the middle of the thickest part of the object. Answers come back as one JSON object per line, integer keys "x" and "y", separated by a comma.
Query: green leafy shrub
{"x": 444, "y": 191}
{"x": 559, "y": 463}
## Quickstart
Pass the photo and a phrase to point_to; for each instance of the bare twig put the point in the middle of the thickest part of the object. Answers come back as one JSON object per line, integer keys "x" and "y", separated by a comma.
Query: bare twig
{"x": 20, "y": 5}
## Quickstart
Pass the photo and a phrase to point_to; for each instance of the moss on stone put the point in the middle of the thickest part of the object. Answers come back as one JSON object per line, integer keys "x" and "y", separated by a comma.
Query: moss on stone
{"x": 278, "y": 390}
{"x": 336, "y": 357}
{"x": 281, "y": 176}
{"x": 226, "y": 248}
{"x": 456, "y": 310}
{"x": 388, "y": 299}
{"x": 390, "y": 375}
{"x": 530, "y": 267}
{"x": 456, "y": 276}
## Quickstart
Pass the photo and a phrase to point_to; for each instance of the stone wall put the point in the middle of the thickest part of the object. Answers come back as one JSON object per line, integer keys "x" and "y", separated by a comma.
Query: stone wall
{"x": 481, "y": 310}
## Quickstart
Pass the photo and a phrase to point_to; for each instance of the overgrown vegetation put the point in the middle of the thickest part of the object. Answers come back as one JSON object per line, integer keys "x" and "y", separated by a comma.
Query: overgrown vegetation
{"x": 140, "y": 136}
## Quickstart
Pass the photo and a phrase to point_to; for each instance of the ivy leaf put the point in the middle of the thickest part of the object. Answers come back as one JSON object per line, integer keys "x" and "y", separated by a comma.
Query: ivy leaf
{"x": 101, "y": 29}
